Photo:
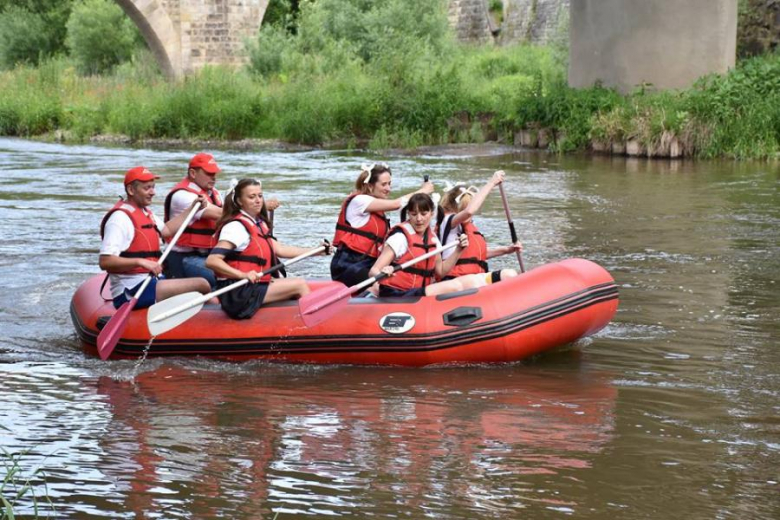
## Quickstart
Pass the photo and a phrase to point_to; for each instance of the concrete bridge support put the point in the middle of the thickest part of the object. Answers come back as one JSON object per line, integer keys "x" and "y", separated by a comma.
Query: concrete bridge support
{"x": 667, "y": 43}
{"x": 185, "y": 35}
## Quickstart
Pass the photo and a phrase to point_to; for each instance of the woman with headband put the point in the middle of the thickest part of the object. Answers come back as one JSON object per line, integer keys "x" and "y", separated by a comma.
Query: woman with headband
{"x": 459, "y": 206}
{"x": 362, "y": 226}
{"x": 245, "y": 248}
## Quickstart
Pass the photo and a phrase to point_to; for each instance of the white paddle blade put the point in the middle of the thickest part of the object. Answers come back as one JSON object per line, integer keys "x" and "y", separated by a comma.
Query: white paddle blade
{"x": 158, "y": 309}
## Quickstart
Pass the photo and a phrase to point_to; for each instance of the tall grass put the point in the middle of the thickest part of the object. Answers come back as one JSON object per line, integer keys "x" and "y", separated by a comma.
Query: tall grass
{"x": 408, "y": 91}
{"x": 18, "y": 488}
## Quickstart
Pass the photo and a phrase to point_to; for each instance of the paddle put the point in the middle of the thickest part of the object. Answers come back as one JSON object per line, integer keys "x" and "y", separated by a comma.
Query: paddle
{"x": 511, "y": 225}
{"x": 320, "y": 305}
{"x": 109, "y": 336}
{"x": 172, "y": 312}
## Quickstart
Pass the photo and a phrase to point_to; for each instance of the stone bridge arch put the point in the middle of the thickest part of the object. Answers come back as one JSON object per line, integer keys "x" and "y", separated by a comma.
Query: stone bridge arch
{"x": 186, "y": 35}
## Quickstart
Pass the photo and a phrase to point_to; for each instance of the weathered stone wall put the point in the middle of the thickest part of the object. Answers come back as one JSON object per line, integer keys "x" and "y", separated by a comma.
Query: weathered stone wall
{"x": 186, "y": 35}
{"x": 534, "y": 21}
{"x": 666, "y": 43}
{"x": 469, "y": 18}
{"x": 531, "y": 21}
{"x": 759, "y": 27}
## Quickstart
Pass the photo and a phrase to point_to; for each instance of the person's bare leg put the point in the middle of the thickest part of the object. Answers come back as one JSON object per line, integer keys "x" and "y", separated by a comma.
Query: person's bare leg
{"x": 168, "y": 288}
{"x": 286, "y": 289}
{"x": 444, "y": 287}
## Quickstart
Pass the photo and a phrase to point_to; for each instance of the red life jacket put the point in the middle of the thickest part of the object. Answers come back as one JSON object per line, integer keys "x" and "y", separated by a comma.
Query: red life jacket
{"x": 200, "y": 233}
{"x": 146, "y": 239}
{"x": 420, "y": 274}
{"x": 366, "y": 239}
{"x": 259, "y": 254}
{"x": 473, "y": 259}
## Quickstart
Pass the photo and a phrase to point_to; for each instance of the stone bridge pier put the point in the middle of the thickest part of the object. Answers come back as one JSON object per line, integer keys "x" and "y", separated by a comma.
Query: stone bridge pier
{"x": 666, "y": 43}
{"x": 185, "y": 35}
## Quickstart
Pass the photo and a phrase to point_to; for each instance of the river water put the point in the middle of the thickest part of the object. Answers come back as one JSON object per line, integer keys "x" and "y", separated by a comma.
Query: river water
{"x": 672, "y": 411}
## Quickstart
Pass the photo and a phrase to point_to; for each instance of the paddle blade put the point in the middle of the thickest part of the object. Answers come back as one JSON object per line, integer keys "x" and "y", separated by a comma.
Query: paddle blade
{"x": 322, "y": 304}
{"x": 109, "y": 336}
{"x": 158, "y": 309}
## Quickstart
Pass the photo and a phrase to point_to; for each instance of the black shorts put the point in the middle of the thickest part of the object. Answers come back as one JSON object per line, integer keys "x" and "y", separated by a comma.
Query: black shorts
{"x": 350, "y": 267}
{"x": 242, "y": 303}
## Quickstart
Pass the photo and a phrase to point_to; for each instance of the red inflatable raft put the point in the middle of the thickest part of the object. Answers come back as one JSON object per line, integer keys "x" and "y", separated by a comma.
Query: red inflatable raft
{"x": 543, "y": 308}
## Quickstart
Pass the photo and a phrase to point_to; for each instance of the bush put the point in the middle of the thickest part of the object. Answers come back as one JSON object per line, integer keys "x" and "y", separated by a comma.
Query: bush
{"x": 265, "y": 54}
{"x": 23, "y": 37}
{"x": 100, "y": 36}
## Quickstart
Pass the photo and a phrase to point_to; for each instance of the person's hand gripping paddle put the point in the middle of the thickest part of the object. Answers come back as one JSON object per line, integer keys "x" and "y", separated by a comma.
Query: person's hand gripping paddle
{"x": 109, "y": 336}
{"x": 512, "y": 231}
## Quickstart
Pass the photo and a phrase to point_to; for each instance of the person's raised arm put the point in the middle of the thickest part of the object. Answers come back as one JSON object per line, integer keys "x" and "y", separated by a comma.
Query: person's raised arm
{"x": 478, "y": 199}
{"x": 400, "y": 202}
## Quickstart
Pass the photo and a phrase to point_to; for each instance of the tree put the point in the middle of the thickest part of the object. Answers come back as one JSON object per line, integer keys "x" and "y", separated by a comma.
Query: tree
{"x": 100, "y": 36}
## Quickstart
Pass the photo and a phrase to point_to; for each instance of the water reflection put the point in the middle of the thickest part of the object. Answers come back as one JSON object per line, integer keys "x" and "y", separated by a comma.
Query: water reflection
{"x": 187, "y": 440}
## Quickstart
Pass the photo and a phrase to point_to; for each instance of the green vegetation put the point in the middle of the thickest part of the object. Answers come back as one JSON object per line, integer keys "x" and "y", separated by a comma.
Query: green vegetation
{"x": 100, "y": 36}
{"x": 16, "y": 487}
{"x": 390, "y": 74}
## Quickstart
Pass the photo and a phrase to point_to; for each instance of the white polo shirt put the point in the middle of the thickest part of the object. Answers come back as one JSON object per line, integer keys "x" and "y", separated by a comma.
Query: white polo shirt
{"x": 118, "y": 234}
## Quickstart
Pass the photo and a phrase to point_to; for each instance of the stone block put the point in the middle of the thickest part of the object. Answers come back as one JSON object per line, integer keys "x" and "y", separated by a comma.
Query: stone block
{"x": 618, "y": 147}
{"x": 545, "y": 137}
{"x": 634, "y": 148}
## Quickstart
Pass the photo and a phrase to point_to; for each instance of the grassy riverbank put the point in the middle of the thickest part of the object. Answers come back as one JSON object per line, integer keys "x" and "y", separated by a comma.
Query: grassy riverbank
{"x": 476, "y": 94}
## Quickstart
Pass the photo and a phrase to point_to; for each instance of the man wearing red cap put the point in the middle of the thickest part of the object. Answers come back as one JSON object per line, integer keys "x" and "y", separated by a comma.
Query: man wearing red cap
{"x": 188, "y": 255}
{"x": 130, "y": 247}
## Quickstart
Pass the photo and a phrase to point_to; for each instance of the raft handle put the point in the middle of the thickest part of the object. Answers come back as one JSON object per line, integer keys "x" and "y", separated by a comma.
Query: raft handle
{"x": 102, "y": 321}
{"x": 462, "y": 316}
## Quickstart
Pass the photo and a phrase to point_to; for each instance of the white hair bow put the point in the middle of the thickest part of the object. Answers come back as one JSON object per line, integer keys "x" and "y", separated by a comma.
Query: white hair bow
{"x": 231, "y": 192}
{"x": 472, "y": 190}
{"x": 365, "y": 170}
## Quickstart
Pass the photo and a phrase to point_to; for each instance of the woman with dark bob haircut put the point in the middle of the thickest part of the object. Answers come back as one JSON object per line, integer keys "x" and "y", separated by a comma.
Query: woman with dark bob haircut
{"x": 414, "y": 238}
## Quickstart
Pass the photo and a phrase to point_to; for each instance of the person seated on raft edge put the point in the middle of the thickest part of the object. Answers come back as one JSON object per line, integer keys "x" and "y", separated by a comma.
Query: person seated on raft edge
{"x": 414, "y": 238}
{"x": 459, "y": 205}
{"x": 362, "y": 225}
{"x": 130, "y": 244}
{"x": 188, "y": 256}
{"x": 245, "y": 248}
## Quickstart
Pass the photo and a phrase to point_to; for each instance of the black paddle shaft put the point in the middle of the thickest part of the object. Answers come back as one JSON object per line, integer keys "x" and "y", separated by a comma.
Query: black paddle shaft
{"x": 512, "y": 231}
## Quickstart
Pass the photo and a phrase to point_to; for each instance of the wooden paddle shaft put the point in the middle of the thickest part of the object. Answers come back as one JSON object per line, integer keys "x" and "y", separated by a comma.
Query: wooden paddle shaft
{"x": 512, "y": 231}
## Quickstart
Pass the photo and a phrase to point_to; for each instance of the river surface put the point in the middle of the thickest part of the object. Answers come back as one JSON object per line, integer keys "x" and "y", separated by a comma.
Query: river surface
{"x": 672, "y": 411}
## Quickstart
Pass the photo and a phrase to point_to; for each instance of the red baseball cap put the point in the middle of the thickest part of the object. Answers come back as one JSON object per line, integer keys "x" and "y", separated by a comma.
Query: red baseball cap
{"x": 139, "y": 173}
{"x": 206, "y": 162}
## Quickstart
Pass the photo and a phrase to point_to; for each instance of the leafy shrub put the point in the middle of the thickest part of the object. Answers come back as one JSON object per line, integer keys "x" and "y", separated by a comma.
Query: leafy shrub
{"x": 100, "y": 36}
{"x": 265, "y": 53}
{"x": 23, "y": 37}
